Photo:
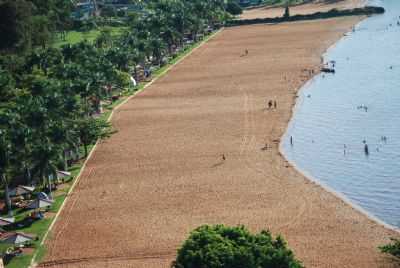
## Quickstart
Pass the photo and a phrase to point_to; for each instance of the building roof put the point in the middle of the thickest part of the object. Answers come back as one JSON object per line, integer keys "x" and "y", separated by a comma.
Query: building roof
{"x": 16, "y": 237}
{"x": 21, "y": 190}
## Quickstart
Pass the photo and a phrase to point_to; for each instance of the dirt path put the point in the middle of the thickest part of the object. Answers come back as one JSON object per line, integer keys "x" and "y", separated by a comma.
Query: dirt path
{"x": 162, "y": 174}
{"x": 317, "y": 6}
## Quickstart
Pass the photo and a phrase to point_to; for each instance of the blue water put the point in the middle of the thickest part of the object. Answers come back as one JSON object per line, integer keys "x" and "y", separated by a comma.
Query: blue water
{"x": 329, "y": 128}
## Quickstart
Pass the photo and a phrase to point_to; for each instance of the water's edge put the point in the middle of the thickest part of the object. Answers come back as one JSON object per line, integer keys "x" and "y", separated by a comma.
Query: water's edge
{"x": 324, "y": 186}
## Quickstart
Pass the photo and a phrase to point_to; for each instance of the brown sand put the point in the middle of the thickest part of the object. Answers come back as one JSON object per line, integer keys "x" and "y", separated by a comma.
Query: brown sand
{"x": 317, "y": 6}
{"x": 162, "y": 174}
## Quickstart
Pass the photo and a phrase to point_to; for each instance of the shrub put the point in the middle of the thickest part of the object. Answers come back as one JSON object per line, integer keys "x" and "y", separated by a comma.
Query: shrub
{"x": 221, "y": 246}
{"x": 287, "y": 12}
{"x": 233, "y": 8}
{"x": 392, "y": 248}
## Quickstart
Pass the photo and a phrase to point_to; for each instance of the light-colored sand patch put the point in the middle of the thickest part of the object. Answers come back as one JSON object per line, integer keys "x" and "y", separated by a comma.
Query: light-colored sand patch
{"x": 318, "y": 6}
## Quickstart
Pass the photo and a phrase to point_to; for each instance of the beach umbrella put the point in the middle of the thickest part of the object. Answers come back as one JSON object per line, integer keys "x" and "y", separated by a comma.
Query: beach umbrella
{"x": 42, "y": 195}
{"x": 21, "y": 190}
{"x": 6, "y": 221}
{"x": 40, "y": 203}
{"x": 16, "y": 238}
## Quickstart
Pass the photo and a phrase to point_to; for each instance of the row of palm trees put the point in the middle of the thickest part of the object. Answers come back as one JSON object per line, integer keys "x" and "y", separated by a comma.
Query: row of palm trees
{"x": 49, "y": 98}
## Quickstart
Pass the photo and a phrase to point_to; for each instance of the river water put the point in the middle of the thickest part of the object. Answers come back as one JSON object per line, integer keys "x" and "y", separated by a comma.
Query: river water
{"x": 338, "y": 115}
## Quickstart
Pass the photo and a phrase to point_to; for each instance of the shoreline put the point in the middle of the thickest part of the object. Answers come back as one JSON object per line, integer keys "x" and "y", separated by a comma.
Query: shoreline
{"x": 324, "y": 186}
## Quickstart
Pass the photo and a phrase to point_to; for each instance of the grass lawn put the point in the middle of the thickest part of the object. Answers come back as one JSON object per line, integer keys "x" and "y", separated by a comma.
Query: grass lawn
{"x": 40, "y": 227}
{"x": 73, "y": 37}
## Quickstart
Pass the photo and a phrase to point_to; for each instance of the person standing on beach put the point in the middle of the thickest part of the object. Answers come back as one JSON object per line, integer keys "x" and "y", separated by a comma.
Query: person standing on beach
{"x": 269, "y": 104}
{"x": 274, "y": 104}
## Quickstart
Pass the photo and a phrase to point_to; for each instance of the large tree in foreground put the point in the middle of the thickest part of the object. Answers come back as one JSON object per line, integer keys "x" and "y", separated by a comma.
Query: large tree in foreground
{"x": 221, "y": 246}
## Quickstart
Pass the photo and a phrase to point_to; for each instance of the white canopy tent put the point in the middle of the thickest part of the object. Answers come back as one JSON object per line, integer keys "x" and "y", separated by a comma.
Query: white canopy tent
{"x": 21, "y": 190}
{"x": 16, "y": 238}
{"x": 63, "y": 174}
{"x": 40, "y": 203}
{"x": 6, "y": 221}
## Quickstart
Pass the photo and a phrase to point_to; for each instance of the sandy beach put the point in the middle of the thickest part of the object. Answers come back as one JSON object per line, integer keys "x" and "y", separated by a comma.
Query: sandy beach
{"x": 316, "y": 6}
{"x": 162, "y": 174}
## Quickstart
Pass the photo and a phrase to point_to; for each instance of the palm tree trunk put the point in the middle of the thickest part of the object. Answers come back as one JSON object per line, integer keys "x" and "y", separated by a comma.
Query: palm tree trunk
{"x": 135, "y": 73}
{"x": 49, "y": 186}
{"x": 28, "y": 175}
{"x": 7, "y": 194}
{"x": 65, "y": 160}
{"x": 77, "y": 153}
{"x": 86, "y": 149}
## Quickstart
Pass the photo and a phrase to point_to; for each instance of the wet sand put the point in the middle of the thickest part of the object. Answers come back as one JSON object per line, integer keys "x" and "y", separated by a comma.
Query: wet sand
{"x": 317, "y": 6}
{"x": 162, "y": 174}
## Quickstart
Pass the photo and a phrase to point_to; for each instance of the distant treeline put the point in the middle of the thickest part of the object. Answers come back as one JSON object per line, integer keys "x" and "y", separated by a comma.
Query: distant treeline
{"x": 368, "y": 10}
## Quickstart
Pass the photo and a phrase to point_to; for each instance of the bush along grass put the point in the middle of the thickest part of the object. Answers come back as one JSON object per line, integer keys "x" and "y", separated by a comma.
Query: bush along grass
{"x": 220, "y": 246}
{"x": 392, "y": 249}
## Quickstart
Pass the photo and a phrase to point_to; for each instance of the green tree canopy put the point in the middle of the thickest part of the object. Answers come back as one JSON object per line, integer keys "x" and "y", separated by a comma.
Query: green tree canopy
{"x": 221, "y": 246}
{"x": 234, "y": 8}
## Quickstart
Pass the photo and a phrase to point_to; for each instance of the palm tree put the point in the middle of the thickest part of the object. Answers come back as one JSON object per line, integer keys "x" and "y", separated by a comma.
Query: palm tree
{"x": 5, "y": 153}
{"x": 46, "y": 159}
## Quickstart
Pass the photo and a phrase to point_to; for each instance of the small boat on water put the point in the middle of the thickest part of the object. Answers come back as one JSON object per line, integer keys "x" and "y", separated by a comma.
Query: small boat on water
{"x": 327, "y": 70}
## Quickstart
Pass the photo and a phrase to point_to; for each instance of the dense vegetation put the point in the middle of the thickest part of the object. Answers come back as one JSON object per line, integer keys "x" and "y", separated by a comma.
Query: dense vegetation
{"x": 221, "y": 246}
{"x": 234, "y": 8}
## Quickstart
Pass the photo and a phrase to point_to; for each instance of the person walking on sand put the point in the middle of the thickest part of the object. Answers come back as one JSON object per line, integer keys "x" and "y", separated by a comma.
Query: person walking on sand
{"x": 223, "y": 157}
{"x": 246, "y": 52}
{"x": 269, "y": 104}
{"x": 274, "y": 104}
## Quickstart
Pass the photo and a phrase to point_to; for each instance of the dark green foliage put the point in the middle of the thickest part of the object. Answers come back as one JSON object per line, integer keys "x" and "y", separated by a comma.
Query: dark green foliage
{"x": 27, "y": 23}
{"x": 392, "y": 248}
{"x": 234, "y": 8}
{"x": 108, "y": 12}
{"x": 91, "y": 129}
{"x": 221, "y": 246}
{"x": 15, "y": 25}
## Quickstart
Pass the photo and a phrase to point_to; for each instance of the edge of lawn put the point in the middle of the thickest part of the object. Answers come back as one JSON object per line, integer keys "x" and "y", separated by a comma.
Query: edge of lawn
{"x": 76, "y": 170}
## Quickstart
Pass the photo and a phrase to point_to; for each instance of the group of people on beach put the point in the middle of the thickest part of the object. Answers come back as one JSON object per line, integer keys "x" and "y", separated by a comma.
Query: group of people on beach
{"x": 246, "y": 52}
{"x": 363, "y": 107}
